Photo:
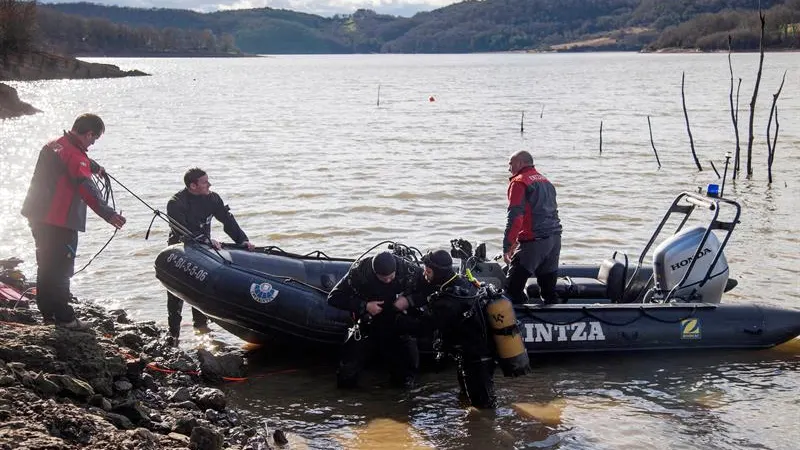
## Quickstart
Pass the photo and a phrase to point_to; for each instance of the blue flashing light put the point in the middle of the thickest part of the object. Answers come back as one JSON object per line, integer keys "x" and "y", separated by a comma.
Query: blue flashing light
{"x": 712, "y": 190}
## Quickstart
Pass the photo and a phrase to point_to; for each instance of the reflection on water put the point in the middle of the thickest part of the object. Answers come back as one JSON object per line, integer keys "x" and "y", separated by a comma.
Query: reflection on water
{"x": 306, "y": 161}
{"x": 675, "y": 400}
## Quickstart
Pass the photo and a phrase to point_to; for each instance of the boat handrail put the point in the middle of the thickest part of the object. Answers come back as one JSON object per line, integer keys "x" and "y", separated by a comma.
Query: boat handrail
{"x": 693, "y": 201}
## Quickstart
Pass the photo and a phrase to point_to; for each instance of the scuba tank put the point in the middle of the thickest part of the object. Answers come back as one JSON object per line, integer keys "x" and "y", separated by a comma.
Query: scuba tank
{"x": 511, "y": 353}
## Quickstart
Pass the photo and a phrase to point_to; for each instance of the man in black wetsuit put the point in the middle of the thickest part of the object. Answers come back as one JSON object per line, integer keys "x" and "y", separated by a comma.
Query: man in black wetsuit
{"x": 194, "y": 207}
{"x": 375, "y": 290}
{"x": 456, "y": 314}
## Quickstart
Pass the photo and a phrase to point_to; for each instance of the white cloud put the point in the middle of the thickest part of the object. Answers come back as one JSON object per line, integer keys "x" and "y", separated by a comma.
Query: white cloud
{"x": 404, "y": 8}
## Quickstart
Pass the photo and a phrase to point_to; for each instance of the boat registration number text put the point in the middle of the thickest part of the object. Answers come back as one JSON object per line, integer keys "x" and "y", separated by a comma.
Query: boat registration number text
{"x": 189, "y": 268}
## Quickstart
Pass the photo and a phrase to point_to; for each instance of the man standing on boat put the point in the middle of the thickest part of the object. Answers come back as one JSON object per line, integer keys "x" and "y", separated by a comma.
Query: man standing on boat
{"x": 532, "y": 241}
{"x": 454, "y": 310}
{"x": 194, "y": 207}
{"x": 55, "y": 206}
{"x": 375, "y": 290}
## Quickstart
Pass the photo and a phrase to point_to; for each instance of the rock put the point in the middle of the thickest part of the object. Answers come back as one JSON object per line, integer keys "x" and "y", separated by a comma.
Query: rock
{"x": 12, "y": 106}
{"x": 180, "y": 395}
{"x": 186, "y": 405}
{"x": 131, "y": 340}
{"x": 280, "y": 437}
{"x": 44, "y": 385}
{"x": 133, "y": 410}
{"x": 104, "y": 397}
{"x": 119, "y": 315}
{"x": 142, "y": 434}
{"x": 213, "y": 368}
{"x": 185, "y": 425}
{"x": 120, "y": 421}
{"x": 103, "y": 386}
{"x": 100, "y": 402}
{"x": 179, "y": 437}
{"x": 210, "y": 398}
{"x": 73, "y": 386}
{"x": 257, "y": 442}
{"x": 212, "y": 415}
{"x": 203, "y": 438}
{"x": 123, "y": 385}
{"x": 148, "y": 382}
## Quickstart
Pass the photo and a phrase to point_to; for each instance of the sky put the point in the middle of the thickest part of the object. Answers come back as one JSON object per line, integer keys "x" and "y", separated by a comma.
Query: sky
{"x": 405, "y": 8}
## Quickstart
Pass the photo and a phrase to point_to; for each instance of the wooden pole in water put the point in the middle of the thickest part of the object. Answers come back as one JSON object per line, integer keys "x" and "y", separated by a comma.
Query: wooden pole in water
{"x": 522, "y": 123}
{"x": 688, "y": 128}
{"x": 541, "y": 113}
{"x": 601, "y": 137}
{"x": 755, "y": 95}
{"x": 379, "y": 96}
{"x": 652, "y": 143}
{"x": 771, "y": 146}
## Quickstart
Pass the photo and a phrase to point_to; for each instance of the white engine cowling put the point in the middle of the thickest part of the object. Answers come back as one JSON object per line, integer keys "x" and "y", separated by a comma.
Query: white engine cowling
{"x": 673, "y": 256}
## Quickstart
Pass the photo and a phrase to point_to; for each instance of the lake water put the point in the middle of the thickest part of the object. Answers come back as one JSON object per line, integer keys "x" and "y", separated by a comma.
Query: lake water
{"x": 307, "y": 161}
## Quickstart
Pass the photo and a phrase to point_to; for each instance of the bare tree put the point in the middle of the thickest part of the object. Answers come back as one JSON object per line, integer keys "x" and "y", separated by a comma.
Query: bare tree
{"x": 755, "y": 95}
{"x": 734, "y": 113}
{"x": 771, "y": 145}
{"x": 17, "y": 26}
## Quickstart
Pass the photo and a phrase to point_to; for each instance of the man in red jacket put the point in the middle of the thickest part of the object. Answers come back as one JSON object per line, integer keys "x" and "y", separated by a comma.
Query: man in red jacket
{"x": 532, "y": 241}
{"x": 55, "y": 206}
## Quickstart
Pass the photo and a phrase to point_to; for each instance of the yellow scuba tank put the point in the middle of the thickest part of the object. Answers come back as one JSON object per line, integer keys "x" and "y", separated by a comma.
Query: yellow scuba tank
{"x": 511, "y": 352}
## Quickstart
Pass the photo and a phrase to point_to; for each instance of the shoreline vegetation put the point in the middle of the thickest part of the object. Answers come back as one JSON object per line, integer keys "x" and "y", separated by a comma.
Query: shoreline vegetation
{"x": 491, "y": 26}
{"x": 118, "y": 386}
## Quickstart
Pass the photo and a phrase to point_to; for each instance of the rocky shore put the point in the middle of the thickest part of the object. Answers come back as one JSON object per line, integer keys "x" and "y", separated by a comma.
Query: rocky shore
{"x": 118, "y": 386}
{"x": 46, "y": 66}
{"x": 11, "y": 105}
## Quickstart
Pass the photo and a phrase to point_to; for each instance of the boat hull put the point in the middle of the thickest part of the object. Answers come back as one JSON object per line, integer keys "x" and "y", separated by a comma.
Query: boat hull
{"x": 261, "y": 297}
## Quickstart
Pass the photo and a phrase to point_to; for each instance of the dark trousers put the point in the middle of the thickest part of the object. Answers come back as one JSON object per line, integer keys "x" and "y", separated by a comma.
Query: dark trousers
{"x": 55, "y": 260}
{"x": 518, "y": 278}
{"x": 174, "y": 310}
{"x": 399, "y": 353}
{"x": 540, "y": 258}
{"x": 476, "y": 378}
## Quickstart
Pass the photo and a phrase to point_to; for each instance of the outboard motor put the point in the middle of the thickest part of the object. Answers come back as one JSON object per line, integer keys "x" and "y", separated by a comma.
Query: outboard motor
{"x": 674, "y": 257}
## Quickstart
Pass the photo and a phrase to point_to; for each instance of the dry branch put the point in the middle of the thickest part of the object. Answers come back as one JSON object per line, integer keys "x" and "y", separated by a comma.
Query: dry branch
{"x": 715, "y": 168}
{"x": 601, "y": 137}
{"x": 652, "y": 143}
{"x": 688, "y": 128}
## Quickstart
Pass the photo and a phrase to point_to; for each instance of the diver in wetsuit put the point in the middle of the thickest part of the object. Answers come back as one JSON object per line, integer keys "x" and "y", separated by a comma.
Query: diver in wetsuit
{"x": 455, "y": 312}
{"x": 375, "y": 290}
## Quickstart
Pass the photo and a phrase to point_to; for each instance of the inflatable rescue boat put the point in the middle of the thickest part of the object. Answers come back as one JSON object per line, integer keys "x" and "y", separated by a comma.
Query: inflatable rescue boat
{"x": 673, "y": 301}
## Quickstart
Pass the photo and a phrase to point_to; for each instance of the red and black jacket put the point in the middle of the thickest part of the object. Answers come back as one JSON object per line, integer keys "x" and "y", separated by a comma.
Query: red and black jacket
{"x": 532, "y": 208}
{"x": 62, "y": 186}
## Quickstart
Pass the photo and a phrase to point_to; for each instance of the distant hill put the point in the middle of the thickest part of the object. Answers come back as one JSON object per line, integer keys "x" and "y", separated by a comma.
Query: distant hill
{"x": 479, "y": 26}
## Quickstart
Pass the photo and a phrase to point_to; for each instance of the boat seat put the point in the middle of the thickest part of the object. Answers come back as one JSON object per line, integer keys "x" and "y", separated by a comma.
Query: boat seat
{"x": 609, "y": 284}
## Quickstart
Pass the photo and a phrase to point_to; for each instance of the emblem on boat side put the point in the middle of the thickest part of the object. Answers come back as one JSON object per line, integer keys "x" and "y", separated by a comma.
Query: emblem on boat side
{"x": 263, "y": 293}
{"x": 690, "y": 328}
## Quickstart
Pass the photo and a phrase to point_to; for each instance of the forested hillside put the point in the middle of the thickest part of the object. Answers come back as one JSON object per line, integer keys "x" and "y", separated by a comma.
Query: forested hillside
{"x": 470, "y": 26}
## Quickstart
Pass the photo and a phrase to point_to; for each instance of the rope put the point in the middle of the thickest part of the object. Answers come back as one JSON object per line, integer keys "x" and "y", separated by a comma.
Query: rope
{"x": 588, "y": 313}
